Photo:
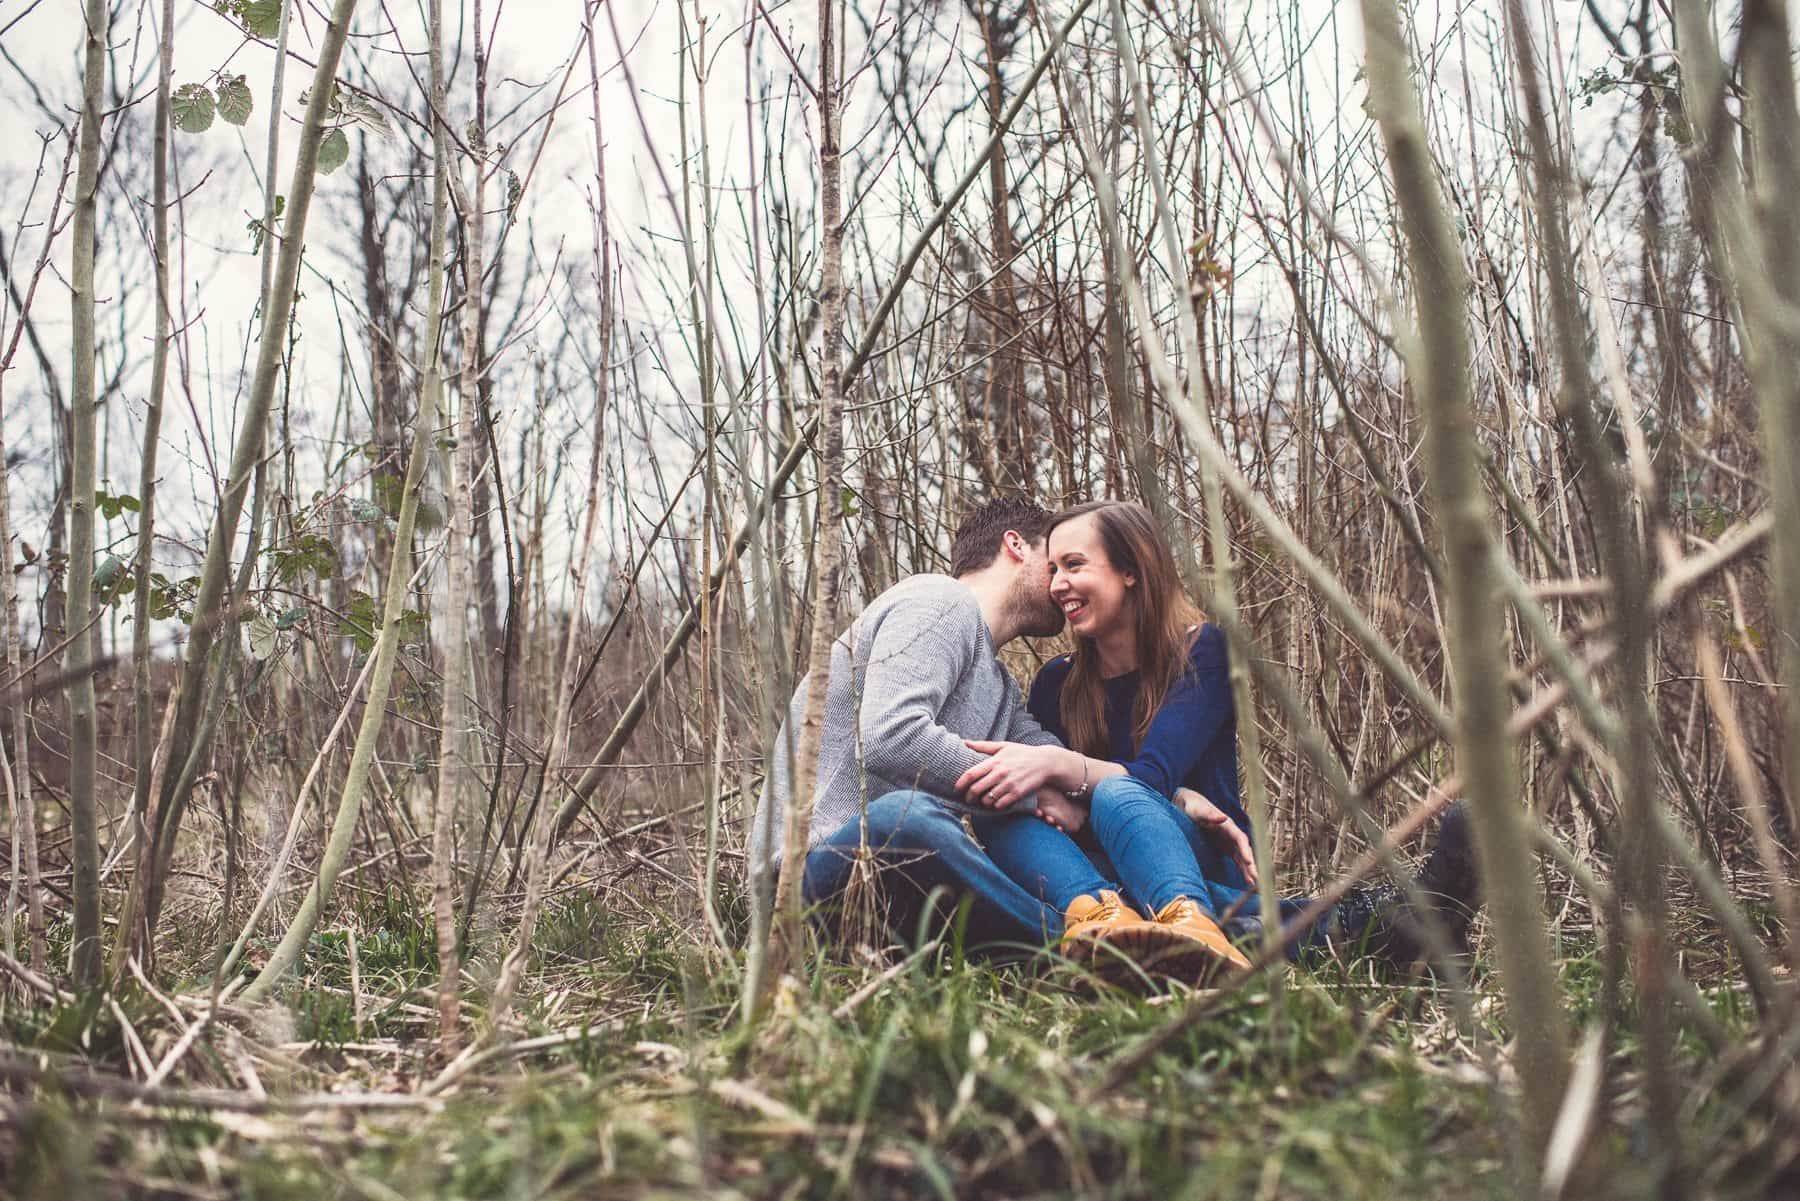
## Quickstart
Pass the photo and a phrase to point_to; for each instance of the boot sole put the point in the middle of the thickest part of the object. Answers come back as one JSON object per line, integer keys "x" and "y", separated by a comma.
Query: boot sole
{"x": 1129, "y": 954}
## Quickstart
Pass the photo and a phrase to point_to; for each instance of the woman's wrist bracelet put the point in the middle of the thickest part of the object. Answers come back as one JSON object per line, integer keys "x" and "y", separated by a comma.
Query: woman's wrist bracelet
{"x": 1081, "y": 794}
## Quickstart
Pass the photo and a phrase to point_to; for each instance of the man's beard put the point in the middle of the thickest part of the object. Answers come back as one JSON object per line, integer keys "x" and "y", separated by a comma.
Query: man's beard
{"x": 1039, "y": 616}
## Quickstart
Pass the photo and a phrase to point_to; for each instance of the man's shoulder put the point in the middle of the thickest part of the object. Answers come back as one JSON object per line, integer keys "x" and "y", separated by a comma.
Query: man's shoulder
{"x": 927, "y": 597}
{"x": 922, "y": 611}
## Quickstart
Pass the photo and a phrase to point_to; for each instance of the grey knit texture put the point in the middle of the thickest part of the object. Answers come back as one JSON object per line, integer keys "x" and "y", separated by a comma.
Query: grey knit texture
{"x": 910, "y": 679}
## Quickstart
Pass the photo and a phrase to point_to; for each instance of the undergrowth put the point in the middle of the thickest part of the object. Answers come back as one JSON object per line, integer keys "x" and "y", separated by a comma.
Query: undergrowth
{"x": 952, "y": 1078}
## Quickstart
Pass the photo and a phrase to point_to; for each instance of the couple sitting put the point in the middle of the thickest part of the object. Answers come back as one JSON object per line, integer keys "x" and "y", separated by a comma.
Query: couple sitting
{"x": 1103, "y": 811}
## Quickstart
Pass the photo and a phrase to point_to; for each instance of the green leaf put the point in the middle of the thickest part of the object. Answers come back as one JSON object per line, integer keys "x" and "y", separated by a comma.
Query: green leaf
{"x": 192, "y": 108}
{"x": 258, "y": 229}
{"x": 333, "y": 151}
{"x": 107, "y": 572}
{"x": 235, "y": 100}
{"x": 361, "y": 111}
{"x": 110, "y": 506}
{"x": 390, "y": 491}
{"x": 262, "y": 18}
{"x": 413, "y": 628}
{"x": 262, "y": 637}
{"x": 360, "y": 621}
{"x": 309, "y": 555}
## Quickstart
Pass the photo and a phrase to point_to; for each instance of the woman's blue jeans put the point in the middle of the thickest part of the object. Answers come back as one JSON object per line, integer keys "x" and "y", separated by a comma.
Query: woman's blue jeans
{"x": 1154, "y": 849}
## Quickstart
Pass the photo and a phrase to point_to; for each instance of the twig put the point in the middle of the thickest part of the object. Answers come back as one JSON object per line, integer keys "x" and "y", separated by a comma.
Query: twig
{"x": 874, "y": 986}
{"x": 472, "y": 1058}
{"x": 94, "y": 1084}
{"x": 33, "y": 981}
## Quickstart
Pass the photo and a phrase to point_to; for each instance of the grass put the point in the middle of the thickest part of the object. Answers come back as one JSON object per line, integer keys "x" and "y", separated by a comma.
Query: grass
{"x": 953, "y": 1079}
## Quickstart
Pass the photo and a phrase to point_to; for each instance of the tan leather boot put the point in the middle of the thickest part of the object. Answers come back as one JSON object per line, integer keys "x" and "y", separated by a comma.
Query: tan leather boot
{"x": 1119, "y": 946}
{"x": 1090, "y": 921}
{"x": 1184, "y": 943}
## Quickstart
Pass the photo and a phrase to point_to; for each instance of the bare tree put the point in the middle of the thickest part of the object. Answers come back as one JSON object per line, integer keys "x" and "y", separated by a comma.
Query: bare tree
{"x": 84, "y": 642}
{"x": 1440, "y": 357}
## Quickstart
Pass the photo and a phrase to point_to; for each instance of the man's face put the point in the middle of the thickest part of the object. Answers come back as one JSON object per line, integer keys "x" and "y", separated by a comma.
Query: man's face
{"x": 1039, "y": 616}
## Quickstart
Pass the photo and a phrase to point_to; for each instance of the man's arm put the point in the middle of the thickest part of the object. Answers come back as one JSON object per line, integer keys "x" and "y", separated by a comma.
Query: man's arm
{"x": 908, "y": 664}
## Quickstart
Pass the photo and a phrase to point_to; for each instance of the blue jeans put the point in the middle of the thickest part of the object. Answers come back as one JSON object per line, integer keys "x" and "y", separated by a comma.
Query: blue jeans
{"x": 930, "y": 865}
{"x": 1155, "y": 849}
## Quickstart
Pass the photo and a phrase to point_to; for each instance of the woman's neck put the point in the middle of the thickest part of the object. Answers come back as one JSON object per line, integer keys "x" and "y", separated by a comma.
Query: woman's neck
{"x": 1117, "y": 652}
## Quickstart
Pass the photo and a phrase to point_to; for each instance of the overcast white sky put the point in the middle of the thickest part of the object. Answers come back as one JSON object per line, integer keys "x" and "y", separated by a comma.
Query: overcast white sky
{"x": 533, "y": 42}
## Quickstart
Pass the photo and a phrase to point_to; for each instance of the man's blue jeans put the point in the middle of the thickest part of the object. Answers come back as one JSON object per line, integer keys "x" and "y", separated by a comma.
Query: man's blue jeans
{"x": 930, "y": 865}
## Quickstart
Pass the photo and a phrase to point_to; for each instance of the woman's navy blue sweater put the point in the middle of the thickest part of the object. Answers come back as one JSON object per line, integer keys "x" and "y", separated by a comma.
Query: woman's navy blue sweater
{"x": 1192, "y": 740}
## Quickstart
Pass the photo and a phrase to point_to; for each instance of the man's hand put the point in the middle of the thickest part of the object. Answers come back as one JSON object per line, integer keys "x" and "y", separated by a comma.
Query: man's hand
{"x": 1055, "y": 807}
{"x": 1011, "y": 772}
{"x": 1213, "y": 820}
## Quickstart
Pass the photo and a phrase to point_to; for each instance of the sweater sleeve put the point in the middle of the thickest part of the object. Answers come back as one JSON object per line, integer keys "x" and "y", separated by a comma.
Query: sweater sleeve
{"x": 1195, "y": 712}
{"x": 910, "y": 662}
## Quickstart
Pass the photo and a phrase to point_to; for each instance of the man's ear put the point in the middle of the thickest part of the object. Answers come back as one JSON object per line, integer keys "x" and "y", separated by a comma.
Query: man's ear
{"x": 1014, "y": 544}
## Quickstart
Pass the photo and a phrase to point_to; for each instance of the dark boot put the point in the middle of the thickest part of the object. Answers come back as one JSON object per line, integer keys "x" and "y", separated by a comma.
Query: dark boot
{"x": 1380, "y": 921}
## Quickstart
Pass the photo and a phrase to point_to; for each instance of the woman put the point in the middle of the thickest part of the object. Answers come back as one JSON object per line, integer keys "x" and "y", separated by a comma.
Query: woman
{"x": 1144, "y": 709}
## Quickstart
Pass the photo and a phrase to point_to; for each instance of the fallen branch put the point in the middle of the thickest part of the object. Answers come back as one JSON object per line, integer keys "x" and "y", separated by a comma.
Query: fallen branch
{"x": 33, "y": 981}
{"x": 97, "y": 1085}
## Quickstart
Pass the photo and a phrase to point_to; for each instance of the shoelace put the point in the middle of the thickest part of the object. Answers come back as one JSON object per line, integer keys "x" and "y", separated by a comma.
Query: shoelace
{"x": 1110, "y": 907}
{"x": 1182, "y": 910}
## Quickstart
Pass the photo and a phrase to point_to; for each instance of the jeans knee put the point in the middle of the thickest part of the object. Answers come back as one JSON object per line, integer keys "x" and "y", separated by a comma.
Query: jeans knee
{"x": 1118, "y": 797}
{"x": 919, "y": 816}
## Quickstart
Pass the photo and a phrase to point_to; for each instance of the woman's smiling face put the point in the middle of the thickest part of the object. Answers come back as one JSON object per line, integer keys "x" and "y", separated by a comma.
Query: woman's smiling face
{"x": 1093, "y": 594}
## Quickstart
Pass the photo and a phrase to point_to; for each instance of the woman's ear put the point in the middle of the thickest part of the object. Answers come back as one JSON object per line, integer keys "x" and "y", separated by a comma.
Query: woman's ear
{"x": 1130, "y": 580}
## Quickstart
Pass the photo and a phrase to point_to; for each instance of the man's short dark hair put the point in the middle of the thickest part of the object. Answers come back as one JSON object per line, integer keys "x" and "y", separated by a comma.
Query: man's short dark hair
{"x": 978, "y": 537}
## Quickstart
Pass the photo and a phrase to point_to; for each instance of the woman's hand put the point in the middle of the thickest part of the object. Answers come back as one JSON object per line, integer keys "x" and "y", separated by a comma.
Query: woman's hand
{"x": 1215, "y": 822}
{"x": 1011, "y": 772}
{"x": 1055, "y": 807}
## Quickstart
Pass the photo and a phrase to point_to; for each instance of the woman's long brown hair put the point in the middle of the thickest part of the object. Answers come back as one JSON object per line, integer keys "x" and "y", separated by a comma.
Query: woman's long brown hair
{"x": 1166, "y": 622}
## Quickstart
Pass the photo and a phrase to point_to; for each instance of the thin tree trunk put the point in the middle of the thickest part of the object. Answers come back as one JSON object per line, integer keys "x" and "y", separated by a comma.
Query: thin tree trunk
{"x": 83, "y": 814}
{"x": 1484, "y": 752}
{"x": 542, "y": 828}
{"x": 20, "y": 795}
{"x": 343, "y": 827}
{"x": 1767, "y": 42}
{"x": 215, "y": 575}
{"x": 828, "y": 526}
{"x": 1256, "y": 791}
{"x": 443, "y": 829}
{"x": 1003, "y": 410}
{"x": 143, "y": 704}
{"x": 1623, "y": 562}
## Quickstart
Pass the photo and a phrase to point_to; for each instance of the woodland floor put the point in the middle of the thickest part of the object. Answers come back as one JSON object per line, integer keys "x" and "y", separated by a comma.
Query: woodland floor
{"x": 926, "y": 1076}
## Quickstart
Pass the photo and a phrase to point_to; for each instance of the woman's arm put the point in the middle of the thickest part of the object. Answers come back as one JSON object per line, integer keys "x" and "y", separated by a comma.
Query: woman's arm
{"x": 1217, "y": 824}
{"x": 1192, "y": 716}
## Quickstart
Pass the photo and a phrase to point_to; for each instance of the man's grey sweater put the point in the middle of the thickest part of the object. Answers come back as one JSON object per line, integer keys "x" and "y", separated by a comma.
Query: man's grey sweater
{"x": 910, "y": 679}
